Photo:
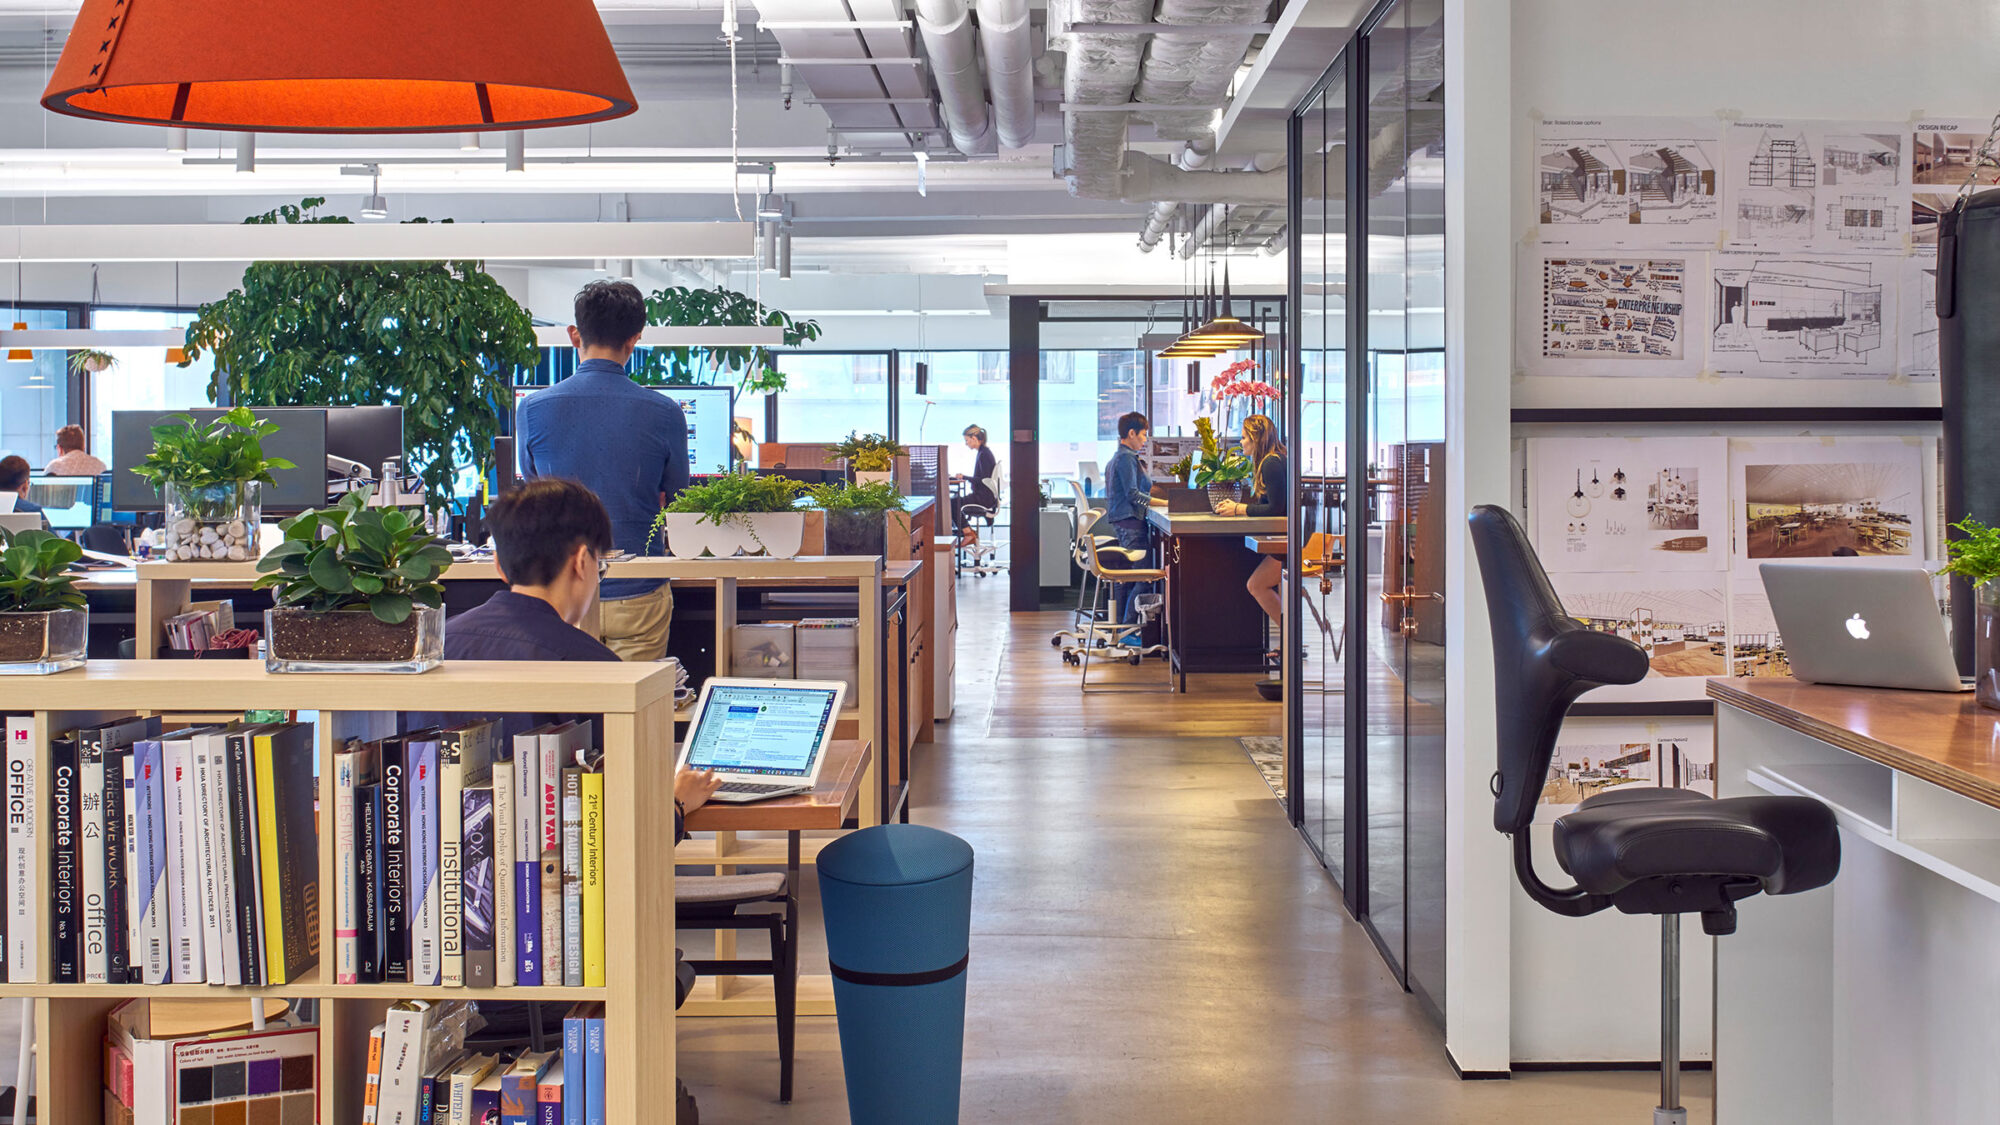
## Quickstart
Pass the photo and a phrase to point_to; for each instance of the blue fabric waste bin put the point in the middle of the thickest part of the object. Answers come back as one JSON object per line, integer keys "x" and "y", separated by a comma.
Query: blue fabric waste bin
{"x": 897, "y": 899}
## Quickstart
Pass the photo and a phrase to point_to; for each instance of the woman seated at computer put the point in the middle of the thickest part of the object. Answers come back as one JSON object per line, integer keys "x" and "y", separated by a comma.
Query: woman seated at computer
{"x": 1267, "y": 498}
{"x": 980, "y": 495}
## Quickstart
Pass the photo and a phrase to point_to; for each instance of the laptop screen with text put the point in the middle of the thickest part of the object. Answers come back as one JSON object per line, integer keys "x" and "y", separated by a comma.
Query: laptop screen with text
{"x": 761, "y": 730}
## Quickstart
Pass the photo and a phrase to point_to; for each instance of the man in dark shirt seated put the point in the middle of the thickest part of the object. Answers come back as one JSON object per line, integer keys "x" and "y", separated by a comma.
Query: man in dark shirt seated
{"x": 14, "y": 472}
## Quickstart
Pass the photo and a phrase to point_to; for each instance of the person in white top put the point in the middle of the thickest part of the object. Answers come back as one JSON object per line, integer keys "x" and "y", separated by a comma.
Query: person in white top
{"x": 71, "y": 460}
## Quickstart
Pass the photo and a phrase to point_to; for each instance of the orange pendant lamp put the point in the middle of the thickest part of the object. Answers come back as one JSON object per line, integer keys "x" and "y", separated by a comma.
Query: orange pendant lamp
{"x": 358, "y": 66}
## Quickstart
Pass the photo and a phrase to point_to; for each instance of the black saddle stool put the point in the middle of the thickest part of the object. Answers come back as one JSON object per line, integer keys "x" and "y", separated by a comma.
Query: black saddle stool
{"x": 1643, "y": 851}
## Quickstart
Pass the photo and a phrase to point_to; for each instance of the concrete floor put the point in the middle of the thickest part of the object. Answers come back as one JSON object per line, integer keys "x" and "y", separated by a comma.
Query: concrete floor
{"x": 1151, "y": 943}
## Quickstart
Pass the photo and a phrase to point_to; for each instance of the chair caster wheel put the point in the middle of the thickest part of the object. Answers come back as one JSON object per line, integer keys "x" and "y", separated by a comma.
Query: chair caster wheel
{"x": 1055, "y": 642}
{"x": 1133, "y": 660}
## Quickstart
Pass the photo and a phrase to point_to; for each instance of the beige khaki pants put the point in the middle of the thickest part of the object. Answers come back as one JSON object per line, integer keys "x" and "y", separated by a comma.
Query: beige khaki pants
{"x": 636, "y": 628}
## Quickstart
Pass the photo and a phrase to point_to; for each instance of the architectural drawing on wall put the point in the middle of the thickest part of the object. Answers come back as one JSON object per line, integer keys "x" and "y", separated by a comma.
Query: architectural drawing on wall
{"x": 1679, "y": 625}
{"x": 1919, "y": 340}
{"x": 1756, "y": 647}
{"x": 1775, "y": 183}
{"x": 1629, "y": 181}
{"x": 1577, "y": 186}
{"x": 1628, "y": 504}
{"x": 1848, "y": 159}
{"x": 1942, "y": 152}
{"x": 1778, "y": 317}
{"x": 1860, "y": 219}
{"x": 1842, "y": 509}
{"x": 1621, "y": 308}
{"x": 1594, "y": 754}
{"x": 1926, "y": 208}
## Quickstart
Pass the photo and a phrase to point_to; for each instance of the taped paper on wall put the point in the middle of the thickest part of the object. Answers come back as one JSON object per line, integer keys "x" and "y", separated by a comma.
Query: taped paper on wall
{"x": 1609, "y": 314}
{"x": 1836, "y": 185}
{"x": 1918, "y": 341}
{"x": 1811, "y": 317}
{"x": 1634, "y": 181}
{"x": 1678, "y": 619}
{"x": 1849, "y": 499}
{"x": 1942, "y": 150}
{"x": 1596, "y": 755}
{"x": 1615, "y": 504}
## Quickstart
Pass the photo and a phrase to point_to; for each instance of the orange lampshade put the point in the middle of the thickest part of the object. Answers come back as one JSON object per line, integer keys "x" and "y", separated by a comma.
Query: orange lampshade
{"x": 20, "y": 355}
{"x": 359, "y": 66}
{"x": 177, "y": 356}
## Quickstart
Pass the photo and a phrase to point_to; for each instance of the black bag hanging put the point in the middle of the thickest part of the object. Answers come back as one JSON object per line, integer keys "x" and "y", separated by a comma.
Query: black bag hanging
{"x": 1968, "y": 311}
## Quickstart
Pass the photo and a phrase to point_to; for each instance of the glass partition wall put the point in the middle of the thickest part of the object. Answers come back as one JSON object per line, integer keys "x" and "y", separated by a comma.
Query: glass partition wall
{"x": 1366, "y": 732}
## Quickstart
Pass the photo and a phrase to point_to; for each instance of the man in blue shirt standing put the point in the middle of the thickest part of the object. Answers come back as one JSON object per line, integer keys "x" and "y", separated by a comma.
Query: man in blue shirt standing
{"x": 625, "y": 443}
{"x": 1127, "y": 495}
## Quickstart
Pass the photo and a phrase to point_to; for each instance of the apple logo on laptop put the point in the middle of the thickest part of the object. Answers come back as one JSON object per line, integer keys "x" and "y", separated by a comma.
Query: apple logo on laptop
{"x": 1857, "y": 628}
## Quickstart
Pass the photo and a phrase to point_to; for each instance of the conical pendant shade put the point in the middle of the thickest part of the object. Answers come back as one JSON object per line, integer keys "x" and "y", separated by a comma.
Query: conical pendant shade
{"x": 358, "y": 66}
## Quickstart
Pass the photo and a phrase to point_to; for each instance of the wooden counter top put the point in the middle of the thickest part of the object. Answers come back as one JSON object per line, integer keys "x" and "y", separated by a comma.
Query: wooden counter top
{"x": 1944, "y": 738}
{"x": 1205, "y": 523}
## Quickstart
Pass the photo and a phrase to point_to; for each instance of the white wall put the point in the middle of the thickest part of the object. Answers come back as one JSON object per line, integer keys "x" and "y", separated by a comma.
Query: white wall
{"x": 1797, "y": 58}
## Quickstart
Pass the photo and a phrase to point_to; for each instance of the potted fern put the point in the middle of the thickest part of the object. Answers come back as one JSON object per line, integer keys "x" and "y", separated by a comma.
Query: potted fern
{"x": 1976, "y": 558}
{"x": 737, "y": 513}
{"x": 870, "y": 457}
{"x": 856, "y": 521}
{"x": 90, "y": 361}
{"x": 212, "y": 479}
{"x": 43, "y": 620}
{"x": 355, "y": 589}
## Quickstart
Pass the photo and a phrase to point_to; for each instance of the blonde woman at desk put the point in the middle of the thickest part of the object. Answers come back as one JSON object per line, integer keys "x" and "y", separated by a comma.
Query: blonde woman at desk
{"x": 1267, "y": 498}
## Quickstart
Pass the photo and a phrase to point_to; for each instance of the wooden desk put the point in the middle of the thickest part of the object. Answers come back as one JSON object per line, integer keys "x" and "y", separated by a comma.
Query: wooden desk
{"x": 1217, "y": 626}
{"x": 827, "y": 808}
{"x": 1874, "y": 998}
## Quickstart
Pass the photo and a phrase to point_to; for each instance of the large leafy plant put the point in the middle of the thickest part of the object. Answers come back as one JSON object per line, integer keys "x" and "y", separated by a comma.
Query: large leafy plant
{"x": 352, "y": 556}
{"x": 730, "y": 494}
{"x": 229, "y": 450}
{"x": 1977, "y": 556}
{"x": 868, "y": 453}
{"x": 35, "y": 575}
{"x": 873, "y": 496}
{"x": 440, "y": 339}
{"x": 754, "y": 368}
{"x": 1216, "y": 465}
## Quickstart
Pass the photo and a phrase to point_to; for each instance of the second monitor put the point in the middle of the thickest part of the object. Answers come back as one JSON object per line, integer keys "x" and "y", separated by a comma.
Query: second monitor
{"x": 709, "y": 410}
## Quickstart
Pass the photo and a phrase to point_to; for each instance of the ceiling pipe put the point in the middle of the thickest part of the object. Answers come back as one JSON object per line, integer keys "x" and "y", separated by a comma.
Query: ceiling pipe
{"x": 1004, "y": 37}
{"x": 1101, "y": 69}
{"x": 948, "y": 39}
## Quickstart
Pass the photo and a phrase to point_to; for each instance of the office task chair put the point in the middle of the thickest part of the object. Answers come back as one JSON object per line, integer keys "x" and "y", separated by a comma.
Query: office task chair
{"x": 1092, "y": 476}
{"x": 1104, "y": 635}
{"x": 1079, "y": 553}
{"x": 746, "y": 902}
{"x": 984, "y": 557}
{"x": 1644, "y": 851}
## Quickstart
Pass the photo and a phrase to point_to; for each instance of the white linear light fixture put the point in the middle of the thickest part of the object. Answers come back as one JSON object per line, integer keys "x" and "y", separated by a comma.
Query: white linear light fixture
{"x": 353, "y": 242}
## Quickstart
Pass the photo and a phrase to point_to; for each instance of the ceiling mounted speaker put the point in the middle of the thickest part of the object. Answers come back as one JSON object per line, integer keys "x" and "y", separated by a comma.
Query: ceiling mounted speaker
{"x": 361, "y": 66}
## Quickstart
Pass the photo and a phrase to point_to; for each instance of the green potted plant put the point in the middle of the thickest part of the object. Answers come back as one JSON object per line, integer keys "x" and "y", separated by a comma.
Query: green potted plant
{"x": 870, "y": 457}
{"x": 43, "y": 619}
{"x": 212, "y": 478}
{"x": 1220, "y": 471}
{"x": 737, "y": 513}
{"x": 1976, "y": 558}
{"x": 91, "y": 361}
{"x": 355, "y": 589}
{"x": 855, "y": 523}
{"x": 755, "y": 368}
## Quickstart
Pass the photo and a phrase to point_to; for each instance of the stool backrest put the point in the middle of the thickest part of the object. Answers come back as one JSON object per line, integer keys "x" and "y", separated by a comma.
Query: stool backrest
{"x": 1543, "y": 659}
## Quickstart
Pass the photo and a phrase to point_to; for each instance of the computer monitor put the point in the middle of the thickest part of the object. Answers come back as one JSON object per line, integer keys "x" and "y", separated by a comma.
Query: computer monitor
{"x": 366, "y": 435}
{"x": 301, "y": 439}
{"x": 66, "y": 501}
{"x": 709, "y": 412}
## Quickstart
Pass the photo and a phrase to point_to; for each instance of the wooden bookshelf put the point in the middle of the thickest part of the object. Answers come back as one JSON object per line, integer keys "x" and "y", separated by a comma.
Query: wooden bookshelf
{"x": 636, "y": 705}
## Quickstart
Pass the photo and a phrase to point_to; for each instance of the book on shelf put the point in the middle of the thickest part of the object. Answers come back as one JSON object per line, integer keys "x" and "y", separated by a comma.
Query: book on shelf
{"x": 521, "y": 1085}
{"x": 418, "y": 1035}
{"x": 420, "y": 786}
{"x": 572, "y": 876}
{"x": 371, "y": 1091}
{"x": 288, "y": 839}
{"x": 465, "y": 1078}
{"x": 395, "y": 860}
{"x": 186, "y": 962}
{"x": 465, "y": 759}
{"x": 209, "y": 752}
{"x": 117, "y": 914}
{"x": 527, "y": 870}
{"x": 151, "y": 937}
{"x": 591, "y": 785}
{"x": 504, "y": 825}
{"x": 368, "y": 881}
{"x": 246, "y": 851}
{"x": 476, "y": 898}
{"x": 562, "y": 745}
{"x": 96, "y": 936}
{"x": 354, "y": 768}
{"x": 549, "y": 1095}
{"x": 24, "y": 910}
{"x": 583, "y": 1065}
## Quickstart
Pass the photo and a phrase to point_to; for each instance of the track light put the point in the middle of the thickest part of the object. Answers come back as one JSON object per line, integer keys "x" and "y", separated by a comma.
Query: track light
{"x": 785, "y": 256}
{"x": 177, "y": 140}
{"x": 246, "y": 152}
{"x": 770, "y": 245}
{"x": 375, "y": 208}
{"x": 517, "y": 151}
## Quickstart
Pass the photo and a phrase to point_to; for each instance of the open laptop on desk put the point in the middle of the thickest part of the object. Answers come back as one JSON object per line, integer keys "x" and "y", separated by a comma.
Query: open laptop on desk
{"x": 764, "y": 738}
{"x": 1865, "y": 626}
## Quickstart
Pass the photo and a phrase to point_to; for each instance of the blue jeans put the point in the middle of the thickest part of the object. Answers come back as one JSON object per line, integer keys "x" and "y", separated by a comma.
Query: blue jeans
{"x": 1133, "y": 535}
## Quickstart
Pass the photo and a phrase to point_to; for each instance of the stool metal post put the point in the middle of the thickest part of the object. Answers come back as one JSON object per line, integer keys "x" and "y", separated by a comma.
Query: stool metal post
{"x": 1669, "y": 1111}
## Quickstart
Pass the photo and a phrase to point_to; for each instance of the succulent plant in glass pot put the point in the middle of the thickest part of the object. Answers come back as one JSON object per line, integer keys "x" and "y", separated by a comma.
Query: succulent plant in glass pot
{"x": 856, "y": 516}
{"x": 43, "y": 620}
{"x": 212, "y": 479}
{"x": 356, "y": 589}
{"x": 1976, "y": 558}
{"x": 870, "y": 457}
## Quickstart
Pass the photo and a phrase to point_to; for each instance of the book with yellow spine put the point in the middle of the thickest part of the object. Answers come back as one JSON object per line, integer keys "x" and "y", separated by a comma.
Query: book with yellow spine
{"x": 593, "y": 880}
{"x": 288, "y": 840}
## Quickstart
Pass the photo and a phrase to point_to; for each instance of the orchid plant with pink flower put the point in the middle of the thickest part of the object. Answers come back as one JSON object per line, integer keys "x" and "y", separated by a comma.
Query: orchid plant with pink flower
{"x": 1236, "y": 382}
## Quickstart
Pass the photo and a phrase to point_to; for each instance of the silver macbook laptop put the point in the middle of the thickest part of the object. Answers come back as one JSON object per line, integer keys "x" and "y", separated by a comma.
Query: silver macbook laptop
{"x": 765, "y": 738}
{"x": 1866, "y": 626}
